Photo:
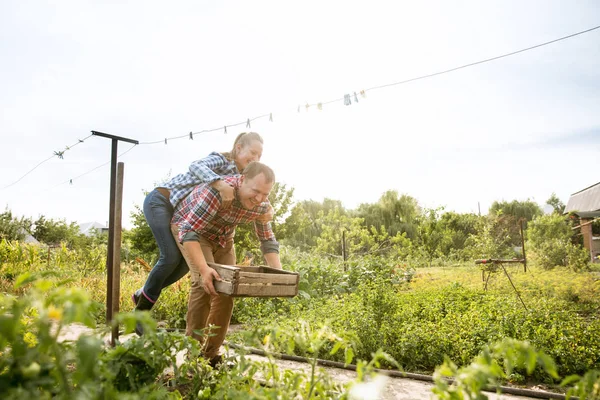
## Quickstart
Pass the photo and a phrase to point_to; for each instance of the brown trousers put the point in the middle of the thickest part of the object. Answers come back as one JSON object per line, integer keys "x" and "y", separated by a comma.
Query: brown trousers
{"x": 206, "y": 311}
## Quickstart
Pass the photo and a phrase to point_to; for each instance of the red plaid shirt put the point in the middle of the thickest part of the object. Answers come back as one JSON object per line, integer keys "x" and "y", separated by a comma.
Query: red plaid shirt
{"x": 201, "y": 212}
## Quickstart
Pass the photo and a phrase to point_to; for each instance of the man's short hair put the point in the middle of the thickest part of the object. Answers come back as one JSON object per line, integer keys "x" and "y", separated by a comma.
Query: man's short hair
{"x": 255, "y": 168}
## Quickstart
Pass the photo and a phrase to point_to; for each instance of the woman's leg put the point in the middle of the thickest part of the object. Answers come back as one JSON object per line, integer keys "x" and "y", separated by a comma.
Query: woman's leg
{"x": 179, "y": 272}
{"x": 159, "y": 212}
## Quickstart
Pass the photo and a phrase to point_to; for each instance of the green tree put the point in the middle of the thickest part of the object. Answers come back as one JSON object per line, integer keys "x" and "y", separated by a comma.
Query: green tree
{"x": 486, "y": 243}
{"x": 140, "y": 237}
{"x": 434, "y": 238}
{"x": 54, "y": 232}
{"x": 550, "y": 241}
{"x": 396, "y": 214}
{"x": 303, "y": 226}
{"x": 556, "y": 203}
{"x": 508, "y": 217}
{"x": 461, "y": 226}
{"x": 13, "y": 228}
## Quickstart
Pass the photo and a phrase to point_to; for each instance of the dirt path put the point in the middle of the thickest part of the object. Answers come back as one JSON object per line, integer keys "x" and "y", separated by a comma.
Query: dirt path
{"x": 392, "y": 388}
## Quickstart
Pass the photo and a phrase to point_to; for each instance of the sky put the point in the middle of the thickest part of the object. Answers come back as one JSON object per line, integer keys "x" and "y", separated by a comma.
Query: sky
{"x": 518, "y": 128}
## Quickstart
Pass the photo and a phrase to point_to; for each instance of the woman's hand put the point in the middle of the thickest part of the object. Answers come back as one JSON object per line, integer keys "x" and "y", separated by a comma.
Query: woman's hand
{"x": 268, "y": 216}
{"x": 226, "y": 191}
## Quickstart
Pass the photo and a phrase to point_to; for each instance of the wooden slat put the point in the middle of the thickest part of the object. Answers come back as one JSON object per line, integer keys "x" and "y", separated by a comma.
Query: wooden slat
{"x": 267, "y": 270}
{"x": 266, "y": 291}
{"x": 226, "y": 272}
{"x": 224, "y": 287}
{"x": 275, "y": 279}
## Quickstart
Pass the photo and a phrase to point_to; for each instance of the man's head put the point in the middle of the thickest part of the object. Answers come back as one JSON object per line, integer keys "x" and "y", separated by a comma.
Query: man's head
{"x": 256, "y": 183}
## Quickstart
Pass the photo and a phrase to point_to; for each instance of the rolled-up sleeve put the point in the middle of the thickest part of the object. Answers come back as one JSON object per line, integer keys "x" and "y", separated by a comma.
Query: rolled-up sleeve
{"x": 268, "y": 242}
{"x": 269, "y": 246}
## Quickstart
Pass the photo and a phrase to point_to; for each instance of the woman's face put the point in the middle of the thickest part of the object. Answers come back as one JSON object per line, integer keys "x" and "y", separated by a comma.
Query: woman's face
{"x": 247, "y": 154}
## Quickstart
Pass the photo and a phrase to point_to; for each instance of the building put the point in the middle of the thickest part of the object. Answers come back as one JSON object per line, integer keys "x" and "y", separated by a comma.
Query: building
{"x": 87, "y": 228}
{"x": 586, "y": 205}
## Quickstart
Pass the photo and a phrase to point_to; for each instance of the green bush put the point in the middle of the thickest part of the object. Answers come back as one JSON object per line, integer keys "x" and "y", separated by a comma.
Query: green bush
{"x": 551, "y": 245}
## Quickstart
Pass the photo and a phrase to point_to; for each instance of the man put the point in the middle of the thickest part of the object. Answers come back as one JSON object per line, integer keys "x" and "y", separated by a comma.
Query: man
{"x": 204, "y": 232}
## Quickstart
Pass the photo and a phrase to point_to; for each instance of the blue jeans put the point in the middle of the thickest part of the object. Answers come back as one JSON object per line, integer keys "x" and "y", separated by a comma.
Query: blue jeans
{"x": 171, "y": 265}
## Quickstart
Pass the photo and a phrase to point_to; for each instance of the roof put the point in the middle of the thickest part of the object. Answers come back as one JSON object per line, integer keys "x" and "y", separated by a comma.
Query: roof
{"x": 87, "y": 227}
{"x": 586, "y": 202}
{"x": 28, "y": 238}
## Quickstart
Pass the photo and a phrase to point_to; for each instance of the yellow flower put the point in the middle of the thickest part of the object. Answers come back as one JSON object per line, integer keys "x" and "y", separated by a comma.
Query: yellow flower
{"x": 54, "y": 313}
{"x": 30, "y": 339}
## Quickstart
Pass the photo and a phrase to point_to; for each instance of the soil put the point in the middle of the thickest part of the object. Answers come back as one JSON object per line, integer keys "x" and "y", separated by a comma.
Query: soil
{"x": 384, "y": 388}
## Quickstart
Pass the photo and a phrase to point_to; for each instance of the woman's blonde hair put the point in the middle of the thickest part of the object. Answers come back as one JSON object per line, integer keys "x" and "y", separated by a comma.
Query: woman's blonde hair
{"x": 243, "y": 139}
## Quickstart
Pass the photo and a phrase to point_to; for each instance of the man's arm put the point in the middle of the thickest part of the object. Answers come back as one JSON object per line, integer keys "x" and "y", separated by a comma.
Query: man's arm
{"x": 273, "y": 260}
{"x": 198, "y": 264}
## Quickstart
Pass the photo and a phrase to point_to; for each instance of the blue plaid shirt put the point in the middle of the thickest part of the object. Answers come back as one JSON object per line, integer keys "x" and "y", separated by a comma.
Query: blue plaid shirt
{"x": 206, "y": 170}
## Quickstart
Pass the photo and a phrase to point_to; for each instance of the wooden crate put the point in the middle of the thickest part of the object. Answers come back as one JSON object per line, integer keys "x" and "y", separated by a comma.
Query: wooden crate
{"x": 255, "y": 281}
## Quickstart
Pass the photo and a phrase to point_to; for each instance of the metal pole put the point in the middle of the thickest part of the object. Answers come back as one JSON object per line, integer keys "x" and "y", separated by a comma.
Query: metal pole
{"x": 111, "y": 233}
{"x": 344, "y": 248}
{"x": 513, "y": 285}
{"x": 110, "y": 262}
{"x": 523, "y": 246}
{"x": 116, "y": 282}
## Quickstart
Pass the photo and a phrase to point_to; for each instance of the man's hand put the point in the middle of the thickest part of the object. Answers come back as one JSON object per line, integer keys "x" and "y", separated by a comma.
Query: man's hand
{"x": 226, "y": 191}
{"x": 268, "y": 216}
{"x": 208, "y": 275}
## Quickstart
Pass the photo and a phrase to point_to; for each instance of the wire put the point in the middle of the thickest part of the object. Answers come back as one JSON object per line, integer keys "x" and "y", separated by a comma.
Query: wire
{"x": 70, "y": 181}
{"x": 320, "y": 104}
{"x": 58, "y": 154}
{"x": 224, "y": 127}
{"x": 484, "y": 61}
{"x": 466, "y": 65}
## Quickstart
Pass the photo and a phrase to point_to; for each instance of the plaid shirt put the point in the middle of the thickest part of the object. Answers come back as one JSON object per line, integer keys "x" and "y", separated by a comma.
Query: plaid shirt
{"x": 200, "y": 213}
{"x": 206, "y": 170}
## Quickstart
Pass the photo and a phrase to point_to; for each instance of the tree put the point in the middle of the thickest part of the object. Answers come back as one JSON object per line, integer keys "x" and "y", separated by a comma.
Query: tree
{"x": 461, "y": 226}
{"x": 140, "y": 236}
{"x": 434, "y": 238}
{"x": 397, "y": 214}
{"x": 550, "y": 240}
{"x": 13, "y": 228}
{"x": 302, "y": 225}
{"x": 556, "y": 203}
{"x": 526, "y": 210}
{"x": 508, "y": 216}
{"x": 54, "y": 232}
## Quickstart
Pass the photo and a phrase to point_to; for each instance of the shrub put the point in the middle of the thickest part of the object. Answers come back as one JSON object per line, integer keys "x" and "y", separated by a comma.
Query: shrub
{"x": 550, "y": 242}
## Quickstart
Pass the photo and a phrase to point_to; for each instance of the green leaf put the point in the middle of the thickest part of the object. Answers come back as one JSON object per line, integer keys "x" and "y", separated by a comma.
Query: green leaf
{"x": 336, "y": 347}
{"x": 348, "y": 355}
{"x": 570, "y": 379}
{"x": 24, "y": 279}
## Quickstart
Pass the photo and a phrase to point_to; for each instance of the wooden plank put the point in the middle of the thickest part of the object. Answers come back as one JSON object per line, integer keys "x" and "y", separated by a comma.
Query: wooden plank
{"x": 275, "y": 279}
{"x": 226, "y": 272}
{"x": 266, "y": 291}
{"x": 224, "y": 287}
{"x": 269, "y": 270}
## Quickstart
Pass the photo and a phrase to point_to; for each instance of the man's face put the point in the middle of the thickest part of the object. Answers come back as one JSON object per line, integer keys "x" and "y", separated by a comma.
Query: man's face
{"x": 254, "y": 191}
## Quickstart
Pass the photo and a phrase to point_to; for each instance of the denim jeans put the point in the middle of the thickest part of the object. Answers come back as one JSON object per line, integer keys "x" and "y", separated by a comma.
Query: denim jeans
{"x": 171, "y": 266}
